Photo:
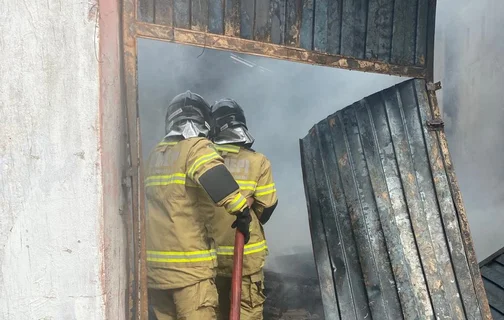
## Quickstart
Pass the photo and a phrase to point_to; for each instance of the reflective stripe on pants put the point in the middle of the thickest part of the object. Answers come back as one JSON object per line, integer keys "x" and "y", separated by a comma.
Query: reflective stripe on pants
{"x": 179, "y": 256}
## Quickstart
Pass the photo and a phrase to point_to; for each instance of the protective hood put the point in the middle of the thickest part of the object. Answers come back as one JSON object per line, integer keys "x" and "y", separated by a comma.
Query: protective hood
{"x": 188, "y": 129}
{"x": 235, "y": 135}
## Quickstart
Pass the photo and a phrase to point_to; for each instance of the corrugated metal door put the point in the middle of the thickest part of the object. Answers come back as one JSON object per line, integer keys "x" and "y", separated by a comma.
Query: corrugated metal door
{"x": 386, "y": 233}
{"x": 386, "y": 36}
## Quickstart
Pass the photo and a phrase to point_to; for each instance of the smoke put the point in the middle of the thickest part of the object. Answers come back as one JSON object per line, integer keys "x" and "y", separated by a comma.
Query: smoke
{"x": 282, "y": 101}
{"x": 469, "y": 62}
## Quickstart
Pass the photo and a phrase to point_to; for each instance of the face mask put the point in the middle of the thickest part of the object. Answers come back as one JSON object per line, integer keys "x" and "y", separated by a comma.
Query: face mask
{"x": 235, "y": 135}
{"x": 188, "y": 129}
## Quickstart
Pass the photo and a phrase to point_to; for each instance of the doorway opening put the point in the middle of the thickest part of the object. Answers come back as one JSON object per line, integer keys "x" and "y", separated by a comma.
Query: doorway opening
{"x": 395, "y": 37}
{"x": 282, "y": 100}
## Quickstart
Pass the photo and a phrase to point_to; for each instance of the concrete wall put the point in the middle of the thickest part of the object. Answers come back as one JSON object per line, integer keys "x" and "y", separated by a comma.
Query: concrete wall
{"x": 61, "y": 234}
{"x": 469, "y": 62}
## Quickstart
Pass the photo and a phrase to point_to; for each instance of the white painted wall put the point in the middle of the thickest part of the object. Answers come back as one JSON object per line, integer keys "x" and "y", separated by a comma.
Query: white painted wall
{"x": 469, "y": 61}
{"x": 55, "y": 260}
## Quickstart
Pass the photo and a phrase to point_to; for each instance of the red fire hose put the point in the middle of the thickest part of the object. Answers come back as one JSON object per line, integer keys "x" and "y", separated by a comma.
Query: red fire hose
{"x": 236, "y": 277}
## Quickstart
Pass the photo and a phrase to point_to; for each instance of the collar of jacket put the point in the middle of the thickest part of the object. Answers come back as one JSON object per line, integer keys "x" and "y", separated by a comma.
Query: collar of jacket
{"x": 227, "y": 148}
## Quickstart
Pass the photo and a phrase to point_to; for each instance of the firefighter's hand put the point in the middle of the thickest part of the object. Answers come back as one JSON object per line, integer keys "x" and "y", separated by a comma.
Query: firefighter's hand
{"x": 242, "y": 223}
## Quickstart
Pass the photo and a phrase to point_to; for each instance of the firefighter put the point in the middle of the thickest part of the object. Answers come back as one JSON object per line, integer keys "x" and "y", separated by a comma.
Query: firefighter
{"x": 185, "y": 178}
{"x": 252, "y": 171}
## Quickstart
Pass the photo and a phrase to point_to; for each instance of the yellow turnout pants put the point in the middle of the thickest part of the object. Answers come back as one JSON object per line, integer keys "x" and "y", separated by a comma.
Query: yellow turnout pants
{"x": 252, "y": 297}
{"x": 195, "y": 302}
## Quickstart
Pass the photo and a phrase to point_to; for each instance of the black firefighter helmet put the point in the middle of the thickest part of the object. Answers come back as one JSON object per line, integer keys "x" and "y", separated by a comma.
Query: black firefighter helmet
{"x": 187, "y": 106}
{"x": 227, "y": 113}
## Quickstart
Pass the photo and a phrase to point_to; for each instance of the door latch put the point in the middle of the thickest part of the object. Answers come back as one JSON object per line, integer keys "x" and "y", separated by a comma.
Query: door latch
{"x": 434, "y": 86}
{"x": 435, "y": 124}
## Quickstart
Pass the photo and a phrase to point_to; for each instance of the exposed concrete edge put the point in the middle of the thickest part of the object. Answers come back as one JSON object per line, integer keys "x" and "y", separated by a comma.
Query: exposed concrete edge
{"x": 112, "y": 148}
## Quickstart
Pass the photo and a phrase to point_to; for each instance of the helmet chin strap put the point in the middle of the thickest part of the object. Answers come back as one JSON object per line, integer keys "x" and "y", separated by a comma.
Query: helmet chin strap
{"x": 235, "y": 135}
{"x": 188, "y": 129}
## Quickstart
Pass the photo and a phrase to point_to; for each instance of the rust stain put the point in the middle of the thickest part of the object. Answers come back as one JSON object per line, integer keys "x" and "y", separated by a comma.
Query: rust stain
{"x": 438, "y": 285}
{"x": 294, "y": 34}
{"x": 332, "y": 122}
{"x": 197, "y": 27}
{"x": 232, "y": 19}
{"x": 343, "y": 160}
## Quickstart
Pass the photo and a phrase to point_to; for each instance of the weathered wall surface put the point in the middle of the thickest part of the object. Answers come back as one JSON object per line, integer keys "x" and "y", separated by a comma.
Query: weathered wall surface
{"x": 113, "y": 157}
{"x": 469, "y": 62}
{"x": 55, "y": 261}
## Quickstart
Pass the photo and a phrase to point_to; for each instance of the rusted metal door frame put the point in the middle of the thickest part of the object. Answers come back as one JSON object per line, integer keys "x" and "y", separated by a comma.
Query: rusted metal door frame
{"x": 138, "y": 302}
{"x": 132, "y": 29}
{"x": 457, "y": 199}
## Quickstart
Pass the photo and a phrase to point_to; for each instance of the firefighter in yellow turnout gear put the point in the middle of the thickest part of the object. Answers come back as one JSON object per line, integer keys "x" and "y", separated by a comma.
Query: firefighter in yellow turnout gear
{"x": 252, "y": 171}
{"x": 185, "y": 177}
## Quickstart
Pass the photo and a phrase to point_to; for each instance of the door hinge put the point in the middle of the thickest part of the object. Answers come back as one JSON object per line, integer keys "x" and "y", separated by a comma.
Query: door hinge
{"x": 433, "y": 86}
{"x": 435, "y": 124}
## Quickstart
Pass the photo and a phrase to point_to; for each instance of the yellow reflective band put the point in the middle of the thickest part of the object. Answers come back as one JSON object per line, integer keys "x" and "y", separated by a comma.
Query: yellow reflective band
{"x": 268, "y": 186}
{"x": 247, "y": 249}
{"x": 201, "y": 161}
{"x": 247, "y": 184}
{"x": 236, "y": 198}
{"x": 227, "y": 148}
{"x": 165, "y": 143}
{"x": 163, "y": 183}
{"x": 177, "y": 256}
{"x": 163, "y": 180}
{"x": 265, "y": 190}
{"x": 237, "y": 203}
{"x": 167, "y": 176}
{"x": 258, "y": 194}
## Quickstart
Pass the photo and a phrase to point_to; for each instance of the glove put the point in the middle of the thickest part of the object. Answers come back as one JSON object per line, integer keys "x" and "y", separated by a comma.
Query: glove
{"x": 242, "y": 223}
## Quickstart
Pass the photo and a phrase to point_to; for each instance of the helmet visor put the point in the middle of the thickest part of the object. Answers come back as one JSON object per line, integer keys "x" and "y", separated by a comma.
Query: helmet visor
{"x": 234, "y": 135}
{"x": 188, "y": 129}
{"x": 183, "y": 114}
